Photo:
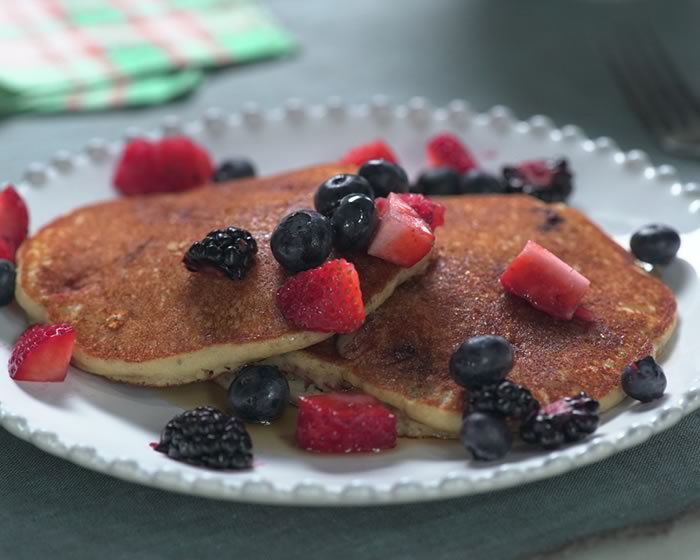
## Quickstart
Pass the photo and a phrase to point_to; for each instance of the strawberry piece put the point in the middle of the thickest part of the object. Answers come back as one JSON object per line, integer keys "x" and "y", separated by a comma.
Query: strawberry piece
{"x": 372, "y": 150}
{"x": 432, "y": 212}
{"x": 545, "y": 281}
{"x": 382, "y": 205}
{"x": 14, "y": 218}
{"x": 402, "y": 237}
{"x": 344, "y": 423}
{"x": 7, "y": 250}
{"x": 42, "y": 353}
{"x": 172, "y": 164}
{"x": 446, "y": 150}
{"x": 324, "y": 299}
{"x": 584, "y": 314}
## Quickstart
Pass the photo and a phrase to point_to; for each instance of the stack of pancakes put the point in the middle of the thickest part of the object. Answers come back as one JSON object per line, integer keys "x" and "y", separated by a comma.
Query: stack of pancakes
{"x": 114, "y": 271}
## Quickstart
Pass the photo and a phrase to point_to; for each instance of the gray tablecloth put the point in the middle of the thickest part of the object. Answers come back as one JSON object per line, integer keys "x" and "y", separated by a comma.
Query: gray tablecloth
{"x": 537, "y": 57}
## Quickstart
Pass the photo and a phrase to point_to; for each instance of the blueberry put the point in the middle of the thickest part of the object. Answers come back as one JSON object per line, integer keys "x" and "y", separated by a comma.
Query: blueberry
{"x": 438, "y": 181}
{"x": 644, "y": 380}
{"x": 486, "y": 436}
{"x": 481, "y": 360}
{"x": 480, "y": 182}
{"x": 384, "y": 176}
{"x": 233, "y": 169}
{"x": 7, "y": 282}
{"x": 302, "y": 240}
{"x": 330, "y": 192}
{"x": 655, "y": 244}
{"x": 259, "y": 393}
{"x": 354, "y": 222}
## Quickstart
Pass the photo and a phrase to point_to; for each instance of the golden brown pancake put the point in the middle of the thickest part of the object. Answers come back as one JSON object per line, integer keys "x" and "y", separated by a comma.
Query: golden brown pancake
{"x": 402, "y": 352}
{"x": 114, "y": 271}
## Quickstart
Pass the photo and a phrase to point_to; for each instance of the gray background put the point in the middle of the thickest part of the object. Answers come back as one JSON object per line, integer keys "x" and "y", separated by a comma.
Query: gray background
{"x": 536, "y": 57}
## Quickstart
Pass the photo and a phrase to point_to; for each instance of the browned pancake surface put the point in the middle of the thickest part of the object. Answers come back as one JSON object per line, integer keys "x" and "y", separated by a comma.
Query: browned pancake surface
{"x": 114, "y": 271}
{"x": 401, "y": 354}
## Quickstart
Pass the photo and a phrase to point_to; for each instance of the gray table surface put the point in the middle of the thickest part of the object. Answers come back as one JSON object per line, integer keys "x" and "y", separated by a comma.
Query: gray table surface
{"x": 536, "y": 57}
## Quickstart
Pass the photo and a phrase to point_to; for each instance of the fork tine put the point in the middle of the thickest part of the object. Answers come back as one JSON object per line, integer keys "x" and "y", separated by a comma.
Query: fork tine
{"x": 676, "y": 85}
{"x": 637, "y": 90}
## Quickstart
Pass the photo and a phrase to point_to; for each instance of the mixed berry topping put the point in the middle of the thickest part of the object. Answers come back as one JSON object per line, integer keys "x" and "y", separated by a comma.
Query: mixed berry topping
{"x": 172, "y": 164}
{"x": 505, "y": 398}
{"x": 344, "y": 423}
{"x": 354, "y": 222}
{"x": 446, "y": 150}
{"x": 324, "y": 299}
{"x": 206, "y": 437}
{"x": 644, "y": 380}
{"x": 302, "y": 240}
{"x": 8, "y": 276}
{"x": 231, "y": 251}
{"x": 548, "y": 180}
{"x": 481, "y": 361}
{"x": 384, "y": 176}
{"x": 655, "y": 244}
{"x": 232, "y": 169}
{"x": 438, "y": 181}
{"x": 42, "y": 353}
{"x": 567, "y": 420}
{"x": 486, "y": 436}
{"x": 403, "y": 237}
{"x": 332, "y": 191}
{"x": 14, "y": 222}
{"x": 259, "y": 393}
{"x": 545, "y": 281}
{"x": 372, "y": 150}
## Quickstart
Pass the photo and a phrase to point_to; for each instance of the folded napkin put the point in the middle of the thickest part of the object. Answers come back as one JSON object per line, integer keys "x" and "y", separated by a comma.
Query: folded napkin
{"x": 77, "y": 55}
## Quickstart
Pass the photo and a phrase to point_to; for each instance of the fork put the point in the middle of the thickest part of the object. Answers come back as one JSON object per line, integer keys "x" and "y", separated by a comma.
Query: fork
{"x": 656, "y": 90}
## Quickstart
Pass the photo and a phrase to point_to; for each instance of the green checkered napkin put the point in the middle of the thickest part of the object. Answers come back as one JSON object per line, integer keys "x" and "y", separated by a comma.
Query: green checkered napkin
{"x": 77, "y": 55}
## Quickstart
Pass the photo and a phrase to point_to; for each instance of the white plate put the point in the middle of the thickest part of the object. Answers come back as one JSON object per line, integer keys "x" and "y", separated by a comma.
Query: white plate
{"x": 108, "y": 427}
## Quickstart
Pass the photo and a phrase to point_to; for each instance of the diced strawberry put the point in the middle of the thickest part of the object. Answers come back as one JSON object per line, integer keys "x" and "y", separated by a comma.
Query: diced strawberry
{"x": 402, "y": 237}
{"x": 372, "y": 150}
{"x": 545, "y": 281}
{"x": 344, "y": 423}
{"x": 382, "y": 205}
{"x": 7, "y": 250}
{"x": 324, "y": 299}
{"x": 42, "y": 353}
{"x": 446, "y": 150}
{"x": 172, "y": 164}
{"x": 584, "y": 314}
{"x": 432, "y": 212}
{"x": 14, "y": 218}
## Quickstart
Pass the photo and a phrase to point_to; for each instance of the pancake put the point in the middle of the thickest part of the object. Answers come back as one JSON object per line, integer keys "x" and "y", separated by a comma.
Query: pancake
{"x": 401, "y": 354}
{"x": 113, "y": 270}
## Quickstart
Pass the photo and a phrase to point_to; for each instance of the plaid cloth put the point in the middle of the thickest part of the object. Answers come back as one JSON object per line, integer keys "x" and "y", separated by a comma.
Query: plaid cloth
{"x": 73, "y": 55}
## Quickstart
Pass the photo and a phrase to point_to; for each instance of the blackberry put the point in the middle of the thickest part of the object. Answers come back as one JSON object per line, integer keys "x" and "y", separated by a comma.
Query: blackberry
{"x": 230, "y": 250}
{"x": 567, "y": 420}
{"x": 505, "y": 398}
{"x": 548, "y": 180}
{"x": 655, "y": 244}
{"x": 206, "y": 437}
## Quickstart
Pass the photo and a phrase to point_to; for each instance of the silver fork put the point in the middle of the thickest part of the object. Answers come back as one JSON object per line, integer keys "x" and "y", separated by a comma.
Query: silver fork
{"x": 656, "y": 90}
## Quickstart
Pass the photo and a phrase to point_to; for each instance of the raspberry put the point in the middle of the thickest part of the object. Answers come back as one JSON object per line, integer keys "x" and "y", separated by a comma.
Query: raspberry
{"x": 14, "y": 220}
{"x": 42, "y": 353}
{"x": 360, "y": 155}
{"x": 324, "y": 299}
{"x": 344, "y": 423}
{"x": 172, "y": 164}
{"x": 446, "y": 150}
